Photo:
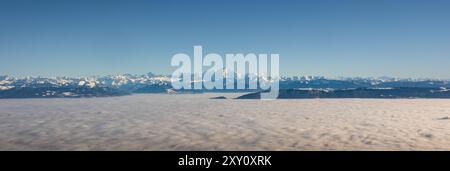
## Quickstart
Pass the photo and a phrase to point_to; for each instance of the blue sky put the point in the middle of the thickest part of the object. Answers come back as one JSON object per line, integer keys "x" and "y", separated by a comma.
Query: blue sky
{"x": 401, "y": 38}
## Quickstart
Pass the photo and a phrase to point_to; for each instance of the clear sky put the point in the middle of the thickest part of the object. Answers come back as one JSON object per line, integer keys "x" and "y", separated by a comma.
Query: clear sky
{"x": 400, "y": 38}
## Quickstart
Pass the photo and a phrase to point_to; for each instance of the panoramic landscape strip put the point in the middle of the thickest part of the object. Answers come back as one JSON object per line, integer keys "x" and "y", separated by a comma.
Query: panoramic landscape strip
{"x": 290, "y": 87}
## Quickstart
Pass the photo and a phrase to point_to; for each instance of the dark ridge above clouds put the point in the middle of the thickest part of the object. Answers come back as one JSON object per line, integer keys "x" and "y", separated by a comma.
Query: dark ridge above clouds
{"x": 379, "y": 93}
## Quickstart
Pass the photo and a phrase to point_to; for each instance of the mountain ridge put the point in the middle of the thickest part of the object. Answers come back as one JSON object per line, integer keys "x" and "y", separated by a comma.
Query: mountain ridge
{"x": 124, "y": 84}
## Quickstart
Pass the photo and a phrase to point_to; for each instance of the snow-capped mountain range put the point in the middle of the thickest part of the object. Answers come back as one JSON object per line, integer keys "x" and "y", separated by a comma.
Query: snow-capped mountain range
{"x": 116, "y": 81}
{"x": 12, "y": 87}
